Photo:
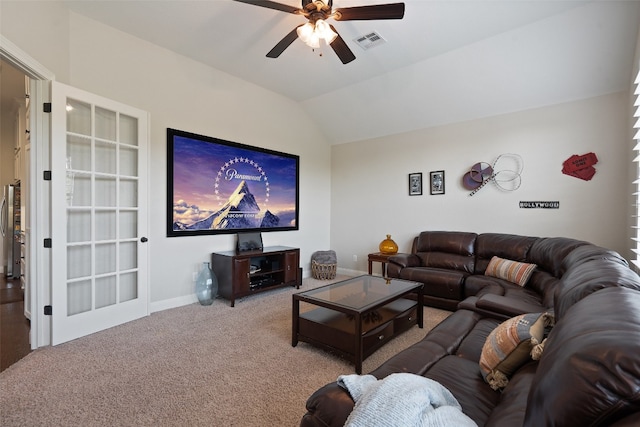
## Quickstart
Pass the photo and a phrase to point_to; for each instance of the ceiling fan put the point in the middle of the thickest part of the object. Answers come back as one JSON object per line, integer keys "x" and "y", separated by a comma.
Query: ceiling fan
{"x": 317, "y": 29}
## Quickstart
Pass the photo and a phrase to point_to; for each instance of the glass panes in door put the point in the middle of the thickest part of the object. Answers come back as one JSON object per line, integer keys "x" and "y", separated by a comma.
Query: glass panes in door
{"x": 101, "y": 185}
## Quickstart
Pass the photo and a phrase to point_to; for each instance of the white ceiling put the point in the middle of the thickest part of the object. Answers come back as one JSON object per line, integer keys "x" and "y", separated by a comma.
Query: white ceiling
{"x": 446, "y": 61}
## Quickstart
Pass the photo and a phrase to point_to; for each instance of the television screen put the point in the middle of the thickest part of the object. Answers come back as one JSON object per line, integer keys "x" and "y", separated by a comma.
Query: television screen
{"x": 217, "y": 186}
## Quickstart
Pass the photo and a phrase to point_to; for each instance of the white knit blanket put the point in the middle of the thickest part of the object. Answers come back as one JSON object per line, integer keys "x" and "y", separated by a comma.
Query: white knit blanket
{"x": 402, "y": 400}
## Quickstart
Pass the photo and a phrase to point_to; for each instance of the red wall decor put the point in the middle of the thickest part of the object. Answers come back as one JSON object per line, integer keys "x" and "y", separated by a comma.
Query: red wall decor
{"x": 580, "y": 166}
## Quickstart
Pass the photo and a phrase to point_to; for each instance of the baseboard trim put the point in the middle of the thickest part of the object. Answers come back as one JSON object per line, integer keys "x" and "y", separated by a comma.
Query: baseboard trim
{"x": 168, "y": 304}
{"x": 172, "y": 303}
{"x": 349, "y": 272}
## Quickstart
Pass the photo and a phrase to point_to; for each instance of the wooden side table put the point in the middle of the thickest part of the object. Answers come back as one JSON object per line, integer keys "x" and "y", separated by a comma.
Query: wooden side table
{"x": 381, "y": 258}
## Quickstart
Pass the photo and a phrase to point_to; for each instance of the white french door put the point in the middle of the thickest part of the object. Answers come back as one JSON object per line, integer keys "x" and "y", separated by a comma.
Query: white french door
{"x": 99, "y": 213}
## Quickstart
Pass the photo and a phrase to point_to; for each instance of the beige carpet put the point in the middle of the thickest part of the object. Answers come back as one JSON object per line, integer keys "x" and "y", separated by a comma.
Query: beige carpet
{"x": 190, "y": 366}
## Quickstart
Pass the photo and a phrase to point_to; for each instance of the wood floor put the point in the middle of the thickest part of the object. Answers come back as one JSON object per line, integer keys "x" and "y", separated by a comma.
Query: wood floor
{"x": 14, "y": 327}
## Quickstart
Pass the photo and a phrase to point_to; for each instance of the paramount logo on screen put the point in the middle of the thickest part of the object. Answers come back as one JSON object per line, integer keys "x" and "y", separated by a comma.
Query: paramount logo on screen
{"x": 233, "y": 174}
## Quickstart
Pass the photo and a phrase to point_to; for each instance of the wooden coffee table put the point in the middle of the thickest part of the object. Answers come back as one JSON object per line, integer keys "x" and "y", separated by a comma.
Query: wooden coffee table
{"x": 355, "y": 317}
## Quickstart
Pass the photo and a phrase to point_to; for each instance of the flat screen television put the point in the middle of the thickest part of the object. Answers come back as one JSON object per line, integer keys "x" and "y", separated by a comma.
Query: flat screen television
{"x": 216, "y": 186}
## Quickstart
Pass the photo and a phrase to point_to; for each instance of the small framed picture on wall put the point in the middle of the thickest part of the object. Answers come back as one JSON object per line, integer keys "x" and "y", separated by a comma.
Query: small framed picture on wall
{"x": 437, "y": 182}
{"x": 415, "y": 184}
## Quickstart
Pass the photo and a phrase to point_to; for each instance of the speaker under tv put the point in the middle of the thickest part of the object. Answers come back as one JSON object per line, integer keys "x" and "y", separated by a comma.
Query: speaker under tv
{"x": 249, "y": 241}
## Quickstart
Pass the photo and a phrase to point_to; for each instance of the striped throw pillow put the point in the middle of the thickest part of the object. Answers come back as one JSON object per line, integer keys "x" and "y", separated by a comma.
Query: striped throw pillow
{"x": 509, "y": 346}
{"x": 512, "y": 271}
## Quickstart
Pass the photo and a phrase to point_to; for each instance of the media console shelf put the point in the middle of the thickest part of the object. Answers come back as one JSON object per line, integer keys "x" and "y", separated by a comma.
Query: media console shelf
{"x": 244, "y": 273}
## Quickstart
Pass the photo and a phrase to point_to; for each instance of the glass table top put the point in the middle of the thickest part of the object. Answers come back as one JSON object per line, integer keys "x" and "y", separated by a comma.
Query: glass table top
{"x": 359, "y": 293}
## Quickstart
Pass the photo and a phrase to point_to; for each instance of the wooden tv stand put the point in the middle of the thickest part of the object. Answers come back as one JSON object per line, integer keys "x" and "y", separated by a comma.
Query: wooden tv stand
{"x": 273, "y": 267}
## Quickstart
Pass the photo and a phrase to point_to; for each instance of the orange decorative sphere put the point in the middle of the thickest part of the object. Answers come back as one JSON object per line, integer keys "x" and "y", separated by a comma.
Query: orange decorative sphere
{"x": 388, "y": 246}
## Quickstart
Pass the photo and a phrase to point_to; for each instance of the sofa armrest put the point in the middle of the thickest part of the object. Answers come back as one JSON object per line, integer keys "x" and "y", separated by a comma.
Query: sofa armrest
{"x": 405, "y": 260}
{"x": 507, "y": 306}
{"x": 397, "y": 262}
{"x": 329, "y": 406}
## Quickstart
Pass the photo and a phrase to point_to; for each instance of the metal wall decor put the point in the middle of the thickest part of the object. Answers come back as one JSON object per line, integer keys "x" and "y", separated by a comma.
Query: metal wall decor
{"x": 505, "y": 173}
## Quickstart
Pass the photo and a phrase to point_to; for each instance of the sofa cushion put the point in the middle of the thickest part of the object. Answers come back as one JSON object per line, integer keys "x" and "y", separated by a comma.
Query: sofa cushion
{"x": 460, "y": 377}
{"x": 500, "y": 298}
{"x": 544, "y": 285}
{"x": 508, "y": 246}
{"x": 446, "y": 260}
{"x": 512, "y": 271}
{"x": 446, "y": 249}
{"x": 599, "y": 271}
{"x": 439, "y": 282}
{"x": 513, "y": 399}
{"x": 588, "y": 253}
{"x": 507, "y": 305}
{"x": 446, "y": 338}
{"x": 589, "y": 372}
{"x": 509, "y": 345}
{"x": 549, "y": 252}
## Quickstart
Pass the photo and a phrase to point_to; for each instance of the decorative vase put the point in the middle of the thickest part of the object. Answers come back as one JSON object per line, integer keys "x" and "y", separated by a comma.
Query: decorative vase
{"x": 388, "y": 246}
{"x": 206, "y": 285}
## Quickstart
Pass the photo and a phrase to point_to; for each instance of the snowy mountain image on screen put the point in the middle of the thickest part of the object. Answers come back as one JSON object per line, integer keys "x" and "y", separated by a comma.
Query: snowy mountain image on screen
{"x": 240, "y": 211}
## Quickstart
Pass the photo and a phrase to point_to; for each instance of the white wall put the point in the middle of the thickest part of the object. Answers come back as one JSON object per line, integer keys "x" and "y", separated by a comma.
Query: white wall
{"x": 40, "y": 28}
{"x": 183, "y": 94}
{"x": 369, "y": 190}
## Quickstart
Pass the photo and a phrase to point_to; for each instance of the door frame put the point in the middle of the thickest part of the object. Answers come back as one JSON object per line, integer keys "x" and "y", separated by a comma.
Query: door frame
{"x": 38, "y": 258}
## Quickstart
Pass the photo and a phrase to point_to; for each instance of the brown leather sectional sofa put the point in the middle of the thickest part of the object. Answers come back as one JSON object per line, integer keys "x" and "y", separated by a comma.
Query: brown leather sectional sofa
{"x": 589, "y": 371}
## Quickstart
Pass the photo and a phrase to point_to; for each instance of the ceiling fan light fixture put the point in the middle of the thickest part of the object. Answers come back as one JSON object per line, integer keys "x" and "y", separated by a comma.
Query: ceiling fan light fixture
{"x": 314, "y": 41}
{"x": 325, "y": 32}
{"x": 312, "y": 33}
{"x": 305, "y": 32}
{"x": 309, "y": 35}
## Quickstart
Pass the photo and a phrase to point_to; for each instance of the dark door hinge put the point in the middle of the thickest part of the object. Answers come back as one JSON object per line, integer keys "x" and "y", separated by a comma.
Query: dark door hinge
{"x": 46, "y": 175}
{"x": 47, "y": 107}
{"x": 48, "y": 310}
{"x": 48, "y": 243}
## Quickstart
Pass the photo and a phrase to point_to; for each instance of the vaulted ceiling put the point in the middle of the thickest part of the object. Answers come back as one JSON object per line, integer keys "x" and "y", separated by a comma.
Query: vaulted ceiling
{"x": 444, "y": 62}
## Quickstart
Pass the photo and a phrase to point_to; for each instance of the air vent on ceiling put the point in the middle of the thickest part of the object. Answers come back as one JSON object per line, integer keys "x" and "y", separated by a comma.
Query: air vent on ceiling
{"x": 369, "y": 40}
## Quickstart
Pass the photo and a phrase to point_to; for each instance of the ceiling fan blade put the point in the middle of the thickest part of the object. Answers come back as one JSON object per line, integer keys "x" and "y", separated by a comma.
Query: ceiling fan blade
{"x": 361, "y": 13}
{"x": 283, "y": 44}
{"x": 341, "y": 49}
{"x": 272, "y": 5}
